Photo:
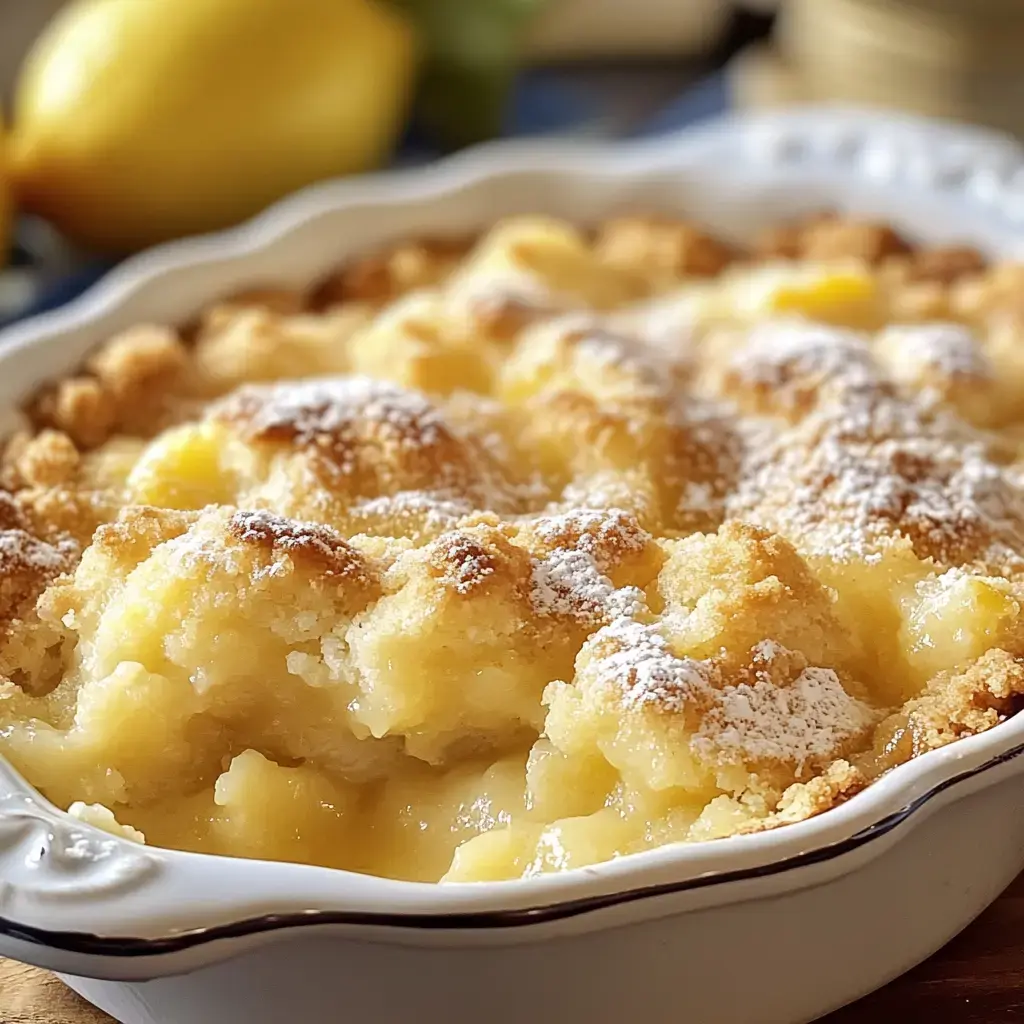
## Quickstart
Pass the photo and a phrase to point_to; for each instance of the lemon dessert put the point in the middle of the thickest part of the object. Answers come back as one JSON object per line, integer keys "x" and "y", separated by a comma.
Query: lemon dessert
{"x": 488, "y": 559}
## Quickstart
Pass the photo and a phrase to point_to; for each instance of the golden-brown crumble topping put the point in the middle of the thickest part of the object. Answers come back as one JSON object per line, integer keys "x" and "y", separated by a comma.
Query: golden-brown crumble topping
{"x": 136, "y": 379}
{"x": 312, "y": 543}
{"x": 137, "y": 530}
{"x": 944, "y": 265}
{"x": 958, "y": 704}
{"x": 476, "y": 558}
{"x": 846, "y": 478}
{"x": 385, "y": 276}
{"x": 789, "y": 368}
{"x": 240, "y": 344}
{"x": 131, "y": 364}
{"x": 678, "y": 249}
{"x": 80, "y": 407}
{"x": 367, "y": 438}
{"x": 12, "y": 515}
{"x": 329, "y": 414}
{"x": 609, "y": 536}
{"x": 27, "y": 565}
{"x": 486, "y": 559}
{"x": 829, "y": 236}
{"x": 994, "y": 294}
{"x": 281, "y": 301}
{"x": 47, "y": 460}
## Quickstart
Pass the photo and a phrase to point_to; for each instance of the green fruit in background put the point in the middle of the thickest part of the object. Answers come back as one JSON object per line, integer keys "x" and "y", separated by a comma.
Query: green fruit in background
{"x": 137, "y": 121}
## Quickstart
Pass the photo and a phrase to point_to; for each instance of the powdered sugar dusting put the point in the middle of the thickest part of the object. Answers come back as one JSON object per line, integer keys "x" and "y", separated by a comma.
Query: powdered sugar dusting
{"x": 462, "y": 561}
{"x": 846, "y": 478}
{"x": 308, "y": 410}
{"x": 495, "y": 293}
{"x": 310, "y": 542}
{"x": 434, "y": 511}
{"x": 870, "y": 464}
{"x": 758, "y": 720}
{"x": 809, "y": 721}
{"x": 634, "y": 660}
{"x": 776, "y": 353}
{"x": 767, "y": 716}
{"x": 699, "y": 497}
{"x": 602, "y": 490}
{"x": 27, "y": 566}
{"x": 365, "y": 439}
{"x": 765, "y": 652}
{"x": 602, "y": 347}
{"x": 21, "y": 552}
{"x": 666, "y": 324}
{"x": 568, "y": 582}
{"x": 571, "y": 579}
{"x": 599, "y": 531}
{"x": 948, "y": 350}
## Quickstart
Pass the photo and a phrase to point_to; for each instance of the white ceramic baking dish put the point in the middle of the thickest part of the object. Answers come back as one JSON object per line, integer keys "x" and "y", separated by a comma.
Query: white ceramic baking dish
{"x": 780, "y": 927}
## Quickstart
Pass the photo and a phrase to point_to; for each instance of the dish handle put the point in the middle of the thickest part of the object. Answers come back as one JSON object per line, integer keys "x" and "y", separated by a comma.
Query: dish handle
{"x": 54, "y": 867}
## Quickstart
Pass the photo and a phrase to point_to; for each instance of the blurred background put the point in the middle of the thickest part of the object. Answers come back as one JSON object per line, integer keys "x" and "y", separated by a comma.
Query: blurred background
{"x": 130, "y": 122}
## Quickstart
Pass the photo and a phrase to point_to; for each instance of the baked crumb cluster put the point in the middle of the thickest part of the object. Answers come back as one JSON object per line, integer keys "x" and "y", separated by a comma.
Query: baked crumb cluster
{"x": 506, "y": 556}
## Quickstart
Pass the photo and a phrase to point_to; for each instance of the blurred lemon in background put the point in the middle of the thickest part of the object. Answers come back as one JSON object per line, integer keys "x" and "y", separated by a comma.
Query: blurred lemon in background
{"x": 6, "y": 206}
{"x": 142, "y": 120}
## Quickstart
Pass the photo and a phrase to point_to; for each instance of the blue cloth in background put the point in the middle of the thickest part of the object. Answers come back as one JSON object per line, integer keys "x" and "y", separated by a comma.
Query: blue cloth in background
{"x": 622, "y": 103}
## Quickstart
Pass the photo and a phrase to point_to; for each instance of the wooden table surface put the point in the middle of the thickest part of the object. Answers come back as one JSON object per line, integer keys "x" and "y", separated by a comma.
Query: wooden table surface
{"x": 977, "y": 979}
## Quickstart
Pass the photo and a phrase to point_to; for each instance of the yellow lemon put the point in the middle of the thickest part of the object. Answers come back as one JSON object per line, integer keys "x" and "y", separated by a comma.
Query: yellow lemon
{"x": 137, "y": 121}
{"x": 6, "y": 206}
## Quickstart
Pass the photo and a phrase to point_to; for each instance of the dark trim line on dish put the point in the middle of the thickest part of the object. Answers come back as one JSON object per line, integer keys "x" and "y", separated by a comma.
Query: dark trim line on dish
{"x": 95, "y": 945}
